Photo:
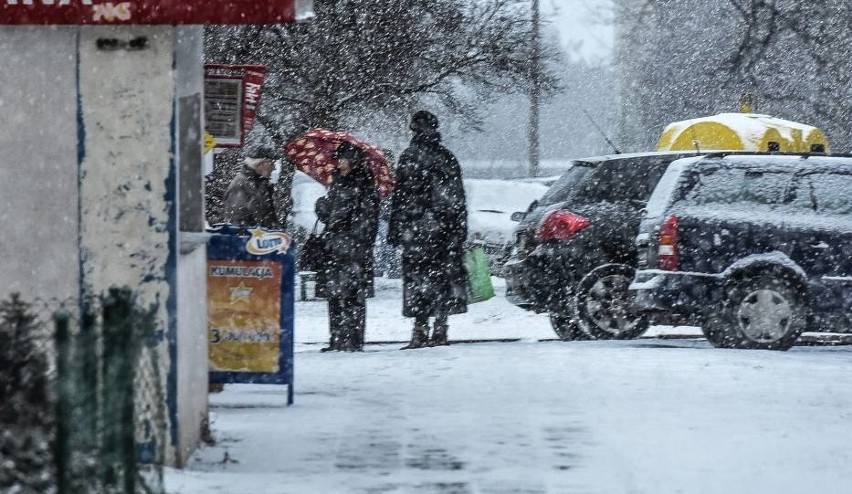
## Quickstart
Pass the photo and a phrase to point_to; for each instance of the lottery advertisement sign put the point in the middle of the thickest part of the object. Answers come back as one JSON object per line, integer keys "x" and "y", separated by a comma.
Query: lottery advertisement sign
{"x": 250, "y": 302}
{"x": 244, "y": 300}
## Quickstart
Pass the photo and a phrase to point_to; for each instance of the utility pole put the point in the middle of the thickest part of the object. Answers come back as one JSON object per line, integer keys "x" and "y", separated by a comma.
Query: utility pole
{"x": 535, "y": 90}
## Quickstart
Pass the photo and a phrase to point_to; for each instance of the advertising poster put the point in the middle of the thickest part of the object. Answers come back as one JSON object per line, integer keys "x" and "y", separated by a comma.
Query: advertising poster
{"x": 231, "y": 98}
{"x": 244, "y": 304}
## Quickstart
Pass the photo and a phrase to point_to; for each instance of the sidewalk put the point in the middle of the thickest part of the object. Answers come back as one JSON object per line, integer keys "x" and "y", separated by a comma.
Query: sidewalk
{"x": 645, "y": 416}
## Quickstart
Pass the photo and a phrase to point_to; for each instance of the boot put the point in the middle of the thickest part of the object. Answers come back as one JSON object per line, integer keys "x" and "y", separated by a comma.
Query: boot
{"x": 439, "y": 336}
{"x": 333, "y": 343}
{"x": 332, "y": 347}
{"x": 419, "y": 338}
{"x": 358, "y": 339}
{"x": 352, "y": 342}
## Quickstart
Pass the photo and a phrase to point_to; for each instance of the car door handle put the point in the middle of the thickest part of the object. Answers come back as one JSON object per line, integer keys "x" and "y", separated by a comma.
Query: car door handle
{"x": 819, "y": 245}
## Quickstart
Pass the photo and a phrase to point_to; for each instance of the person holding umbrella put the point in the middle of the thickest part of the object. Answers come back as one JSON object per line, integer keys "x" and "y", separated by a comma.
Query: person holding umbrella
{"x": 350, "y": 212}
{"x": 428, "y": 219}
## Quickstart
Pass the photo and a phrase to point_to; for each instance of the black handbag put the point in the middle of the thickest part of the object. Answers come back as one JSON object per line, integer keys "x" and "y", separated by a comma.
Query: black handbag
{"x": 312, "y": 255}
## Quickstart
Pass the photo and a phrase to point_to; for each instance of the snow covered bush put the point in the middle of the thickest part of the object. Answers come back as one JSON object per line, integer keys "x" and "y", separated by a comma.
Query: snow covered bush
{"x": 26, "y": 403}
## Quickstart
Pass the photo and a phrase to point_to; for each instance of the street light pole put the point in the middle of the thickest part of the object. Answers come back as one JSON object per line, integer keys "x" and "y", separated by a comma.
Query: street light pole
{"x": 535, "y": 90}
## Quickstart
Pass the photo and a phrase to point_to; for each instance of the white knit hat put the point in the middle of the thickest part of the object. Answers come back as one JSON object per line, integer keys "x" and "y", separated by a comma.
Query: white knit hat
{"x": 253, "y": 162}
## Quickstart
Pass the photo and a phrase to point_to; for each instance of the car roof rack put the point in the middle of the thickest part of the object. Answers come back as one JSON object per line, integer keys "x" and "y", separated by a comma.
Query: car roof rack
{"x": 722, "y": 154}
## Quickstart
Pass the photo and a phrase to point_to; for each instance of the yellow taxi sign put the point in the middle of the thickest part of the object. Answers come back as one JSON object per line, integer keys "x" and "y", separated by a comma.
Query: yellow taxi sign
{"x": 742, "y": 132}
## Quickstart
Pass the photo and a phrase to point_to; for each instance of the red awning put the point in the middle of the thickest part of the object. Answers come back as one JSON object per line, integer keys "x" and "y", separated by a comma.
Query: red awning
{"x": 46, "y": 12}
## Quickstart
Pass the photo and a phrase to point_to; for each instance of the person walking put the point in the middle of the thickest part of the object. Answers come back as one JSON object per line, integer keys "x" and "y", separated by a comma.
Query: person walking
{"x": 249, "y": 198}
{"x": 428, "y": 220}
{"x": 350, "y": 212}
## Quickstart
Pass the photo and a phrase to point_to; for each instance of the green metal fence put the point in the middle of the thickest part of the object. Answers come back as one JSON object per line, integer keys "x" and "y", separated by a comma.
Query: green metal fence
{"x": 92, "y": 373}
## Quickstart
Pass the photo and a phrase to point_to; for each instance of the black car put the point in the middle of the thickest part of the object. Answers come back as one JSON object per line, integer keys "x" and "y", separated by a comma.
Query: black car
{"x": 756, "y": 249}
{"x": 573, "y": 254}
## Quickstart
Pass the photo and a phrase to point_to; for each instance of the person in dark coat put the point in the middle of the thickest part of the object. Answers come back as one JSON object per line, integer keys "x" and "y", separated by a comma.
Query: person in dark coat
{"x": 428, "y": 219}
{"x": 249, "y": 200}
{"x": 350, "y": 212}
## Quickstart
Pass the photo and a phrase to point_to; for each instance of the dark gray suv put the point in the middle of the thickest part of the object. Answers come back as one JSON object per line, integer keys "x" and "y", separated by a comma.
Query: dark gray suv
{"x": 755, "y": 249}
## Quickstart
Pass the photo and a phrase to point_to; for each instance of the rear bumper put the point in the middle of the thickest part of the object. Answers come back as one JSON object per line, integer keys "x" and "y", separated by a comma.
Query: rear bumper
{"x": 544, "y": 279}
{"x": 523, "y": 277}
{"x": 671, "y": 297}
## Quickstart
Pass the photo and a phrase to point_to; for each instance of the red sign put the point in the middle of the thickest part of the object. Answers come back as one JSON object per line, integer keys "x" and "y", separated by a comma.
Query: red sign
{"x": 231, "y": 97}
{"x": 154, "y": 11}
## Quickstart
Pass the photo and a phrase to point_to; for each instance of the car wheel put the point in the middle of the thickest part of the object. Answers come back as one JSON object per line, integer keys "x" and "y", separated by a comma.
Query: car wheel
{"x": 566, "y": 328}
{"x": 763, "y": 312}
{"x": 602, "y": 304}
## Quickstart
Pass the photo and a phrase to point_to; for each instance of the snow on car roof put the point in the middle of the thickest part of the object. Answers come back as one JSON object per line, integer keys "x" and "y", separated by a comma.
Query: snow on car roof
{"x": 609, "y": 157}
{"x": 787, "y": 160}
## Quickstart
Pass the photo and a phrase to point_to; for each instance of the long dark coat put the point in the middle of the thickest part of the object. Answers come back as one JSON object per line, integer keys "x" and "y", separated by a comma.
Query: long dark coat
{"x": 428, "y": 220}
{"x": 248, "y": 201}
{"x": 350, "y": 212}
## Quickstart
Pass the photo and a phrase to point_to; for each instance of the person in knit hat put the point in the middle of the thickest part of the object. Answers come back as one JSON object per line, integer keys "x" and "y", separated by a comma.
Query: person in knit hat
{"x": 428, "y": 220}
{"x": 248, "y": 200}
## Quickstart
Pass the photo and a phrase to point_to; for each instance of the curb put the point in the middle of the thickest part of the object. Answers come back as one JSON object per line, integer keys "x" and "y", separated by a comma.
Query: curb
{"x": 815, "y": 339}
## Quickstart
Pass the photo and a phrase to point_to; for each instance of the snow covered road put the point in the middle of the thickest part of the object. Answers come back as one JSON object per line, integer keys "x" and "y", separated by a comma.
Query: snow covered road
{"x": 645, "y": 416}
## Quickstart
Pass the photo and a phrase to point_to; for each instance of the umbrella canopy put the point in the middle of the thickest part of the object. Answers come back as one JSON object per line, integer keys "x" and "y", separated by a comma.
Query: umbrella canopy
{"x": 312, "y": 152}
{"x": 741, "y": 132}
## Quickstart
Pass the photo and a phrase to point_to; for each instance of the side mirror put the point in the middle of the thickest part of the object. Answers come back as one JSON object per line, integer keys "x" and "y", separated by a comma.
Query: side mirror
{"x": 518, "y": 216}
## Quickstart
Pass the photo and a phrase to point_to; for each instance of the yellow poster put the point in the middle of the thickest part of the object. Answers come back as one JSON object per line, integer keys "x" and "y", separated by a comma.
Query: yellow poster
{"x": 209, "y": 142}
{"x": 244, "y": 315}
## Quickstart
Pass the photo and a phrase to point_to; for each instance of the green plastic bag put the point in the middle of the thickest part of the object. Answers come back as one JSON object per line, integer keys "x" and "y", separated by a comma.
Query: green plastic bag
{"x": 479, "y": 287}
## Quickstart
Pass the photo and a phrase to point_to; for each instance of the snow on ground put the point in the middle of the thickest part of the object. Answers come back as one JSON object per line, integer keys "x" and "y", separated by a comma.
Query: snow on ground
{"x": 646, "y": 416}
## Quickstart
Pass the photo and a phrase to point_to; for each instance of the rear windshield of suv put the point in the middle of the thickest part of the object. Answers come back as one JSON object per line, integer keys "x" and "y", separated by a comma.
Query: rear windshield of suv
{"x": 621, "y": 180}
{"x": 563, "y": 188}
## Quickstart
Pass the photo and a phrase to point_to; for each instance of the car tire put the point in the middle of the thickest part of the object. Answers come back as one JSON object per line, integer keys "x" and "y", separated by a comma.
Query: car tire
{"x": 716, "y": 335}
{"x": 566, "y": 328}
{"x": 602, "y": 304}
{"x": 766, "y": 311}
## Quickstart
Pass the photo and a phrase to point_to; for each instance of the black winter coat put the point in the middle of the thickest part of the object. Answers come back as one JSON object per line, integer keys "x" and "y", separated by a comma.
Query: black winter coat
{"x": 428, "y": 220}
{"x": 350, "y": 212}
{"x": 248, "y": 201}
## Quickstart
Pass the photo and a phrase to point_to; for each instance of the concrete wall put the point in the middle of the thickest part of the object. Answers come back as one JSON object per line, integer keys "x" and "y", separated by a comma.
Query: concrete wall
{"x": 90, "y": 162}
{"x": 129, "y": 185}
{"x": 192, "y": 263}
{"x": 126, "y": 99}
{"x": 38, "y": 163}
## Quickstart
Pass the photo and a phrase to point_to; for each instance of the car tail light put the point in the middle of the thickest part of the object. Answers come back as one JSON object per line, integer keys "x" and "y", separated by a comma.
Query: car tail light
{"x": 559, "y": 225}
{"x": 668, "y": 256}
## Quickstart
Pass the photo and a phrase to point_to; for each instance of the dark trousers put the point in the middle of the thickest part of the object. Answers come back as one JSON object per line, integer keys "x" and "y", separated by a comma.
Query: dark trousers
{"x": 440, "y": 319}
{"x": 347, "y": 319}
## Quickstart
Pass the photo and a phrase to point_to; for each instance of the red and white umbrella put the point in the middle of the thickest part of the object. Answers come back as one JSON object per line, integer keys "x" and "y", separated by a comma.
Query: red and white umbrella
{"x": 312, "y": 153}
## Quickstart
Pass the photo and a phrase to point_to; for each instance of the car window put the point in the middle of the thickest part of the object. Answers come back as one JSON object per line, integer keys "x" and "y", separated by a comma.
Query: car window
{"x": 621, "y": 180}
{"x": 739, "y": 185}
{"x": 563, "y": 188}
{"x": 825, "y": 193}
{"x": 645, "y": 178}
